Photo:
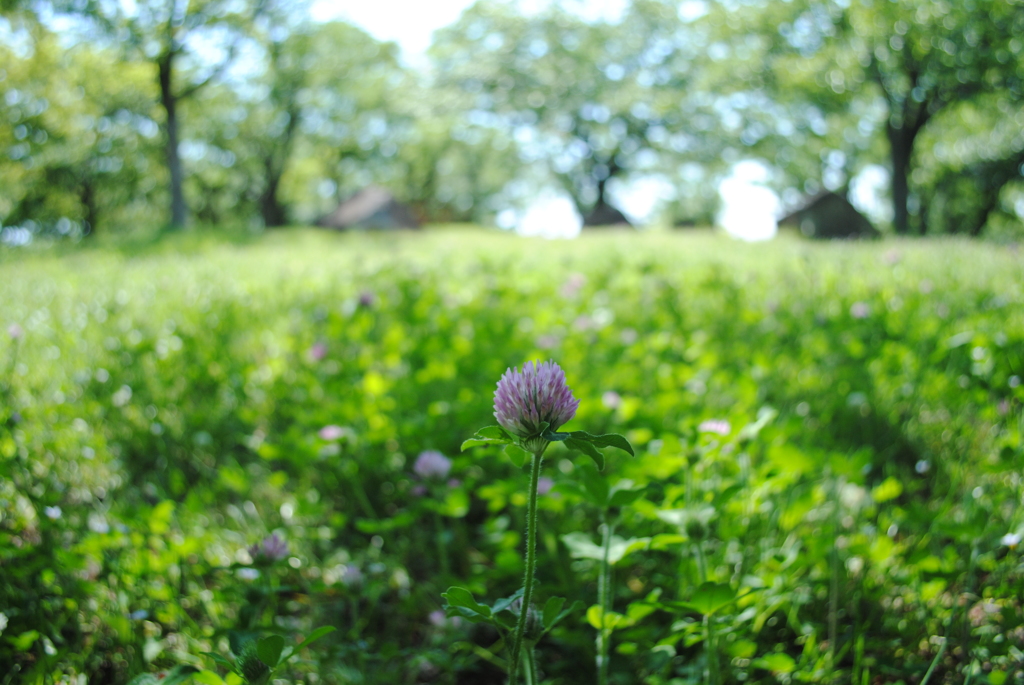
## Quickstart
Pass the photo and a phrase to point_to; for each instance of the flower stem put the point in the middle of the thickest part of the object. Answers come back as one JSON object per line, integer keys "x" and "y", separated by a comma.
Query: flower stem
{"x": 530, "y": 666}
{"x": 531, "y": 565}
{"x": 604, "y": 600}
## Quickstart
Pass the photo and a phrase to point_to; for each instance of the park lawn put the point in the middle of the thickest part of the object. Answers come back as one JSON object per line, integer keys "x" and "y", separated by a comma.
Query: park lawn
{"x": 164, "y": 408}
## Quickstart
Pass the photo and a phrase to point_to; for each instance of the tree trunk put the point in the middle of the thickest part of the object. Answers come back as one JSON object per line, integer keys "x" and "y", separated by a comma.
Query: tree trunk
{"x": 901, "y": 144}
{"x": 179, "y": 210}
{"x": 87, "y": 195}
{"x": 271, "y": 210}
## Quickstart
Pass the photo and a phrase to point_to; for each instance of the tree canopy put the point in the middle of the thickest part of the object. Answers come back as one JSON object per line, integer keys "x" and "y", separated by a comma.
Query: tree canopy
{"x": 169, "y": 112}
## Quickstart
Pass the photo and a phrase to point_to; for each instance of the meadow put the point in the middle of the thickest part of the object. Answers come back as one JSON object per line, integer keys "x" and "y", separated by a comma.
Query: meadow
{"x": 206, "y": 441}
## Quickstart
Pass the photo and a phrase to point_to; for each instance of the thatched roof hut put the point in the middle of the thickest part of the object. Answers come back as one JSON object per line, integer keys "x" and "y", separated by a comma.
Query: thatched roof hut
{"x": 372, "y": 207}
{"x": 828, "y": 215}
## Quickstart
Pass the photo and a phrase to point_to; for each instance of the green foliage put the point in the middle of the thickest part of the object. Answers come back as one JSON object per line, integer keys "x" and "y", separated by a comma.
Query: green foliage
{"x": 164, "y": 411}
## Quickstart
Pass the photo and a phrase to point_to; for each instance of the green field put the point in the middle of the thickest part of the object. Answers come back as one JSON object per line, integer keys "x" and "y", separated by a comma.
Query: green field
{"x": 164, "y": 406}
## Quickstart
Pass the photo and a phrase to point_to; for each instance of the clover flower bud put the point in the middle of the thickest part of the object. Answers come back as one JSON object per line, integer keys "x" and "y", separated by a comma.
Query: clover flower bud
{"x": 534, "y": 624}
{"x": 432, "y": 464}
{"x": 272, "y": 548}
{"x": 251, "y": 667}
{"x": 536, "y": 395}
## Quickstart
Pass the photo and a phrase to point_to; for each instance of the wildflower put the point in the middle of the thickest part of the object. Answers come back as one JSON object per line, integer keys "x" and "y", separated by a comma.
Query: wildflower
{"x": 367, "y": 298}
{"x": 432, "y": 464}
{"x": 719, "y": 426}
{"x": 534, "y": 396}
{"x": 611, "y": 399}
{"x": 331, "y": 432}
{"x": 271, "y": 548}
{"x": 573, "y": 285}
{"x": 352, "y": 576}
{"x": 15, "y": 331}
{"x": 1010, "y": 540}
{"x": 860, "y": 310}
{"x": 544, "y": 485}
{"x": 52, "y": 513}
{"x": 317, "y": 351}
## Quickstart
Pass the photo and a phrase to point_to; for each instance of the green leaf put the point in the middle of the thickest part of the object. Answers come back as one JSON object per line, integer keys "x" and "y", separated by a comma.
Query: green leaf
{"x": 581, "y": 547}
{"x": 552, "y": 608}
{"x": 666, "y": 540}
{"x": 493, "y": 433}
{"x": 462, "y": 602}
{"x": 888, "y": 489}
{"x": 504, "y": 603}
{"x": 764, "y": 416}
{"x": 551, "y": 436}
{"x": 777, "y": 663}
{"x": 623, "y": 498}
{"x": 269, "y": 650}
{"x": 708, "y": 598}
{"x": 608, "y": 440}
{"x": 180, "y": 674}
{"x": 208, "y": 678}
{"x": 24, "y": 642}
{"x": 596, "y": 485}
{"x": 312, "y": 637}
{"x": 576, "y": 606}
{"x": 220, "y": 660}
{"x": 596, "y": 617}
{"x": 587, "y": 449}
{"x": 517, "y": 454}
{"x": 489, "y": 435}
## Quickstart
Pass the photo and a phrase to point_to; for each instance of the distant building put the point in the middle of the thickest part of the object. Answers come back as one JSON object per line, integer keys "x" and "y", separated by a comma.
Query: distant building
{"x": 372, "y": 207}
{"x": 828, "y": 215}
{"x": 604, "y": 215}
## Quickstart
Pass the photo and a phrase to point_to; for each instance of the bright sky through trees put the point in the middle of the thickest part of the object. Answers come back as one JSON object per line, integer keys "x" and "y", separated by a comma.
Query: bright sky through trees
{"x": 749, "y": 207}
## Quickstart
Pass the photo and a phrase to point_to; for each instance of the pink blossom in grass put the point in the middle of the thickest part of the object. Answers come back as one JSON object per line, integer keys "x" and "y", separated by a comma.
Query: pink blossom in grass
{"x": 271, "y": 547}
{"x": 15, "y": 331}
{"x": 718, "y": 426}
{"x": 432, "y": 464}
{"x": 860, "y": 310}
{"x": 367, "y": 298}
{"x": 544, "y": 485}
{"x": 611, "y": 399}
{"x": 573, "y": 285}
{"x": 331, "y": 433}
{"x": 537, "y": 394}
{"x": 318, "y": 351}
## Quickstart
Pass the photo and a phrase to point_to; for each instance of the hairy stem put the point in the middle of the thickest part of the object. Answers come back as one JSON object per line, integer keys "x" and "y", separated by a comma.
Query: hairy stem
{"x": 530, "y": 666}
{"x": 531, "y": 565}
{"x": 604, "y": 600}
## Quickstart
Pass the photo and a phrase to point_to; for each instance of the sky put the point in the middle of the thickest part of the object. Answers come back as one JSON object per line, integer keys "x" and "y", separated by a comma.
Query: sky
{"x": 749, "y": 206}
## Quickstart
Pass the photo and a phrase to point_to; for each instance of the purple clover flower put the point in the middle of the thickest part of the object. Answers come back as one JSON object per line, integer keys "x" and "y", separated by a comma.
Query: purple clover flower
{"x": 537, "y": 394}
{"x": 271, "y": 548}
{"x": 15, "y": 331}
{"x": 432, "y": 464}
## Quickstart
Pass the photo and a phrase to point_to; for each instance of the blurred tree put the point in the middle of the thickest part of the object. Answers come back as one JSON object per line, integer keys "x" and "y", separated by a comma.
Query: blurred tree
{"x": 334, "y": 107}
{"x": 589, "y": 100}
{"x": 191, "y": 44}
{"x": 922, "y": 57}
{"x": 81, "y": 137}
